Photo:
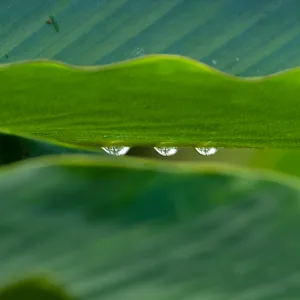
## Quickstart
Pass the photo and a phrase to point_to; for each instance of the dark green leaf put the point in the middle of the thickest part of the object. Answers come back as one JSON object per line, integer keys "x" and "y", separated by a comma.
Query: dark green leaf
{"x": 33, "y": 289}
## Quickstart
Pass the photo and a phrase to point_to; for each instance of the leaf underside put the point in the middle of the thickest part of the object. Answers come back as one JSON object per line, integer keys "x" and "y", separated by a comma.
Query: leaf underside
{"x": 150, "y": 101}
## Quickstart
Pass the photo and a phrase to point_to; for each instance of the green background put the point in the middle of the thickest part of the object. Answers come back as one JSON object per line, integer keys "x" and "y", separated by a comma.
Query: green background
{"x": 236, "y": 232}
{"x": 247, "y": 38}
{"x": 140, "y": 229}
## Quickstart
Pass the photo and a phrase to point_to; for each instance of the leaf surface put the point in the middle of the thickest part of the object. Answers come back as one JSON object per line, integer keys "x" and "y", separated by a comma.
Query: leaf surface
{"x": 139, "y": 229}
{"x": 160, "y": 99}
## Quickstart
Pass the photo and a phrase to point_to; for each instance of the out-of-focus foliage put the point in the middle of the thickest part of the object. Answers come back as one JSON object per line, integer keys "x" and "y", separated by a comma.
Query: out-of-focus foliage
{"x": 241, "y": 37}
{"x": 108, "y": 228}
{"x": 33, "y": 289}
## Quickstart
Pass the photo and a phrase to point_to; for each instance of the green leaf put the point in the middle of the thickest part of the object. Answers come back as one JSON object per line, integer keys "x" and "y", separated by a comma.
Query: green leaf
{"x": 155, "y": 100}
{"x": 247, "y": 38}
{"x": 136, "y": 229}
{"x": 33, "y": 289}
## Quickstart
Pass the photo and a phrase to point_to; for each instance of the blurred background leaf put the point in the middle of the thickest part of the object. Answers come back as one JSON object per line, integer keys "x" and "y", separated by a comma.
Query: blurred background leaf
{"x": 241, "y": 37}
{"x": 179, "y": 232}
{"x": 33, "y": 289}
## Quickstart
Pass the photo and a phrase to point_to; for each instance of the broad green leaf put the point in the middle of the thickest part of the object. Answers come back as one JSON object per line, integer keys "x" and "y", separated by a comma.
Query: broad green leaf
{"x": 134, "y": 229}
{"x": 167, "y": 100}
{"x": 247, "y": 38}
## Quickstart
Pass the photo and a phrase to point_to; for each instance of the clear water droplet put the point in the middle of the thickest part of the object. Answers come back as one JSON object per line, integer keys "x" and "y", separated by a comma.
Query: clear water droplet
{"x": 137, "y": 52}
{"x": 206, "y": 151}
{"x": 214, "y": 62}
{"x": 166, "y": 151}
{"x": 119, "y": 151}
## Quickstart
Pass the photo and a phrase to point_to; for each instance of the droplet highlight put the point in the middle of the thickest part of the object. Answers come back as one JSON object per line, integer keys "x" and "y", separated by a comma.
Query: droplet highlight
{"x": 166, "y": 151}
{"x": 137, "y": 52}
{"x": 206, "y": 151}
{"x": 118, "y": 151}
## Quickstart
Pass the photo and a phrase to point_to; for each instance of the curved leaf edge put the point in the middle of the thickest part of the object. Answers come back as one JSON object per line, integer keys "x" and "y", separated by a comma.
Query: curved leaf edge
{"x": 127, "y": 131}
{"x": 34, "y": 288}
{"x": 143, "y": 60}
{"x": 141, "y": 164}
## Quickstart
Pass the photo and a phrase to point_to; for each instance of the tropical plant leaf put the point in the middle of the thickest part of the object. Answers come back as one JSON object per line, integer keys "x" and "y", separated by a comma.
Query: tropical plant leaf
{"x": 247, "y": 38}
{"x": 139, "y": 229}
{"x": 243, "y": 38}
{"x": 168, "y": 100}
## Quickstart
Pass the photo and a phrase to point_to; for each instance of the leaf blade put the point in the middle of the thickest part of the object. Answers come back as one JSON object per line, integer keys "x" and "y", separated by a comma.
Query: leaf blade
{"x": 218, "y": 232}
{"x": 154, "y": 100}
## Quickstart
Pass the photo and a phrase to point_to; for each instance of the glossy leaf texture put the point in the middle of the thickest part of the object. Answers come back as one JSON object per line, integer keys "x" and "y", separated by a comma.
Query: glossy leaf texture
{"x": 179, "y": 232}
{"x": 159, "y": 100}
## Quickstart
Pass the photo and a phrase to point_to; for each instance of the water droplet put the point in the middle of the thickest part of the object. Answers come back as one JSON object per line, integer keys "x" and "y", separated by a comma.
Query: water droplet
{"x": 214, "y": 62}
{"x": 237, "y": 59}
{"x": 166, "y": 151}
{"x": 206, "y": 151}
{"x": 119, "y": 151}
{"x": 137, "y": 52}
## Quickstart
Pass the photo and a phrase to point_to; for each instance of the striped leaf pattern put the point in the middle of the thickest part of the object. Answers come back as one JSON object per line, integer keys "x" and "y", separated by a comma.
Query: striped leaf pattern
{"x": 241, "y": 37}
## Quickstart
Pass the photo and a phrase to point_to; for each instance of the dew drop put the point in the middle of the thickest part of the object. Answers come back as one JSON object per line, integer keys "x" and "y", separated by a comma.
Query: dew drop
{"x": 119, "y": 151}
{"x": 166, "y": 151}
{"x": 214, "y": 62}
{"x": 137, "y": 52}
{"x": 206, "y": 151}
